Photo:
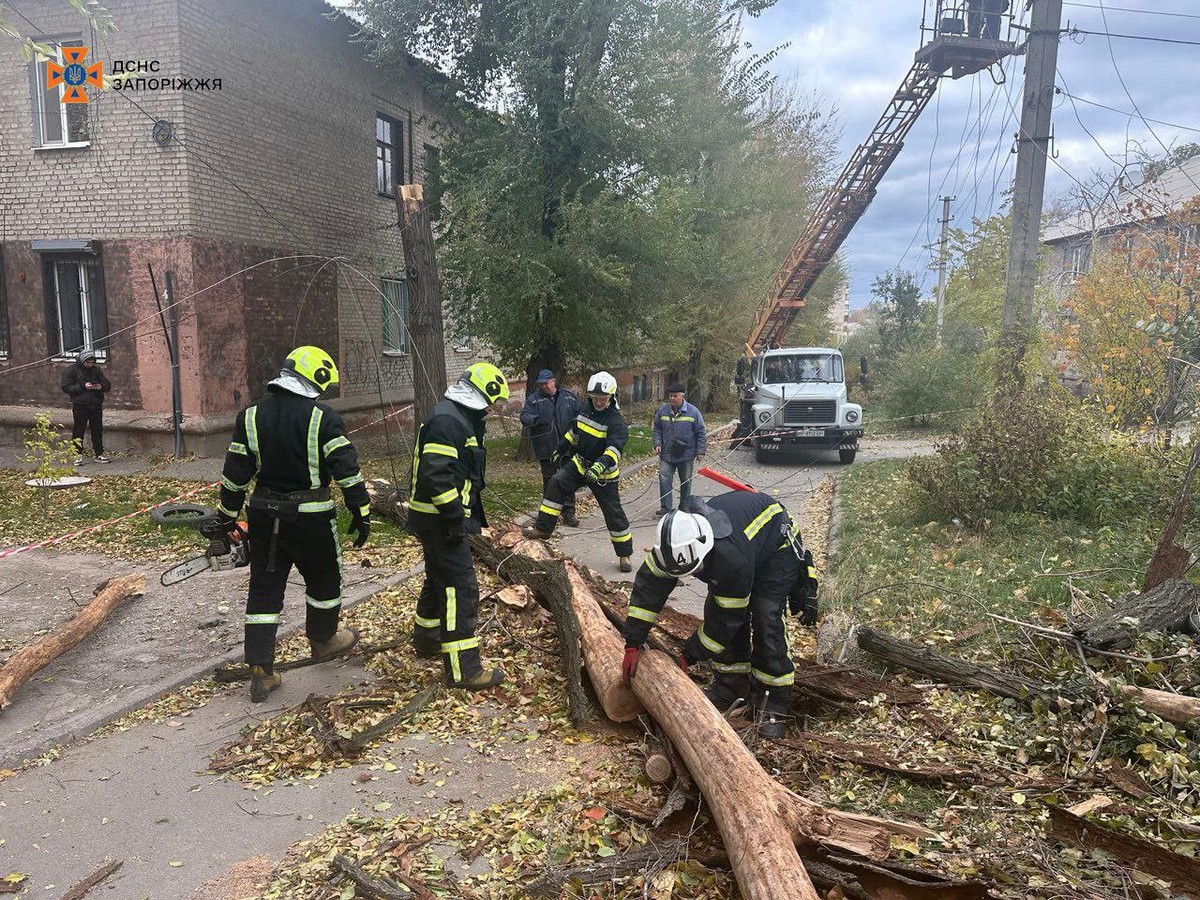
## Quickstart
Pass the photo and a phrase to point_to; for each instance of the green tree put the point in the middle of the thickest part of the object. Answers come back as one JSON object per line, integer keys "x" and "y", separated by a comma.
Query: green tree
{"x": 592, "y": 134}
{"x": 898, "y": 297}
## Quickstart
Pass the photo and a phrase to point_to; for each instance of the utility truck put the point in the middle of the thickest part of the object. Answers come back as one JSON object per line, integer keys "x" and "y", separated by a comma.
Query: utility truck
{"x": 795, "y": 398}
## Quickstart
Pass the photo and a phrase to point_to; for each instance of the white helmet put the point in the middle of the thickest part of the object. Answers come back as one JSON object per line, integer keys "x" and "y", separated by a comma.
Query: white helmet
{"x": 684, "y": 541}
{"x": 602, "y": 383}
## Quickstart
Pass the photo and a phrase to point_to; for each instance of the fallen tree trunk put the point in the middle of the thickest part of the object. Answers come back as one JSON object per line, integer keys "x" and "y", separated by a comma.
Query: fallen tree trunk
{"x": 1176, "y": 708}
{"x": 1165, "y": 608}
{"x": 28, "y": 661}
{"x": 871, "y": 757}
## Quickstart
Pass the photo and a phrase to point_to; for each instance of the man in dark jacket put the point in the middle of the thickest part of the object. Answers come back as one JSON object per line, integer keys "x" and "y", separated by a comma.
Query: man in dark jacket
{"x": 680, "y": 440}
{"x": 293, "y": 447}
{"x": 744, "y": 546}
{"x": 449, "y": 466}
{"x": 548, "y": 413}
{"x": 590, "y": 453}
{"x": 86, "y": 385}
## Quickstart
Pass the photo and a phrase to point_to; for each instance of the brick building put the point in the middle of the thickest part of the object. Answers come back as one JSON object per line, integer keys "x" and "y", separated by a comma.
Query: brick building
{"x": 270, "y": 201}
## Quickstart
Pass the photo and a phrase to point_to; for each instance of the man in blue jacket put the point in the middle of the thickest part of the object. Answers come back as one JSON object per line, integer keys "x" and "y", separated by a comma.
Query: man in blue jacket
{"x": 548, "y": 413}
{"x": 680, "y": 441}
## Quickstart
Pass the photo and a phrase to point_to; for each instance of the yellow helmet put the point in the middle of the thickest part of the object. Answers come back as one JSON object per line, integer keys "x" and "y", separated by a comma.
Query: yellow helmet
{"x": 486, "y": 379}
{"x": 314, "y": 365}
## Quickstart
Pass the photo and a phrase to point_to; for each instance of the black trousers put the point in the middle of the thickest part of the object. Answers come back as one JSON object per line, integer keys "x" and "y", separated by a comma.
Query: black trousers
{"x": 549, "y": 470}
{"x": 448, "y": 604}
{"x": 316, "y": 552}
{"x": 746, "y": 639}
{"x": 561, "y": 491}
{"x": 88, "y": 417}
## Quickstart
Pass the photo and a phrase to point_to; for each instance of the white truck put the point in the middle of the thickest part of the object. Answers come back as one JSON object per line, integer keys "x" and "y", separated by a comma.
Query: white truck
{"x": 795, "y": 397}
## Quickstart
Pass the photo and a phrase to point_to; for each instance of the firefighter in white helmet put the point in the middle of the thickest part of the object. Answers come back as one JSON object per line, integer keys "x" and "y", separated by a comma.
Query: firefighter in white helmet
{"x": 744, "y": 546}
{"x": 590, "y": 454}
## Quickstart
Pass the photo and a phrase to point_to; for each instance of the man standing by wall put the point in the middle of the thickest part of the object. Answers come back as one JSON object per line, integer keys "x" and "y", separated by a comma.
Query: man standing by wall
{"x": 549, "y": 411}
{"x": 680, "y": 440}
{"x": 86, "y": 385}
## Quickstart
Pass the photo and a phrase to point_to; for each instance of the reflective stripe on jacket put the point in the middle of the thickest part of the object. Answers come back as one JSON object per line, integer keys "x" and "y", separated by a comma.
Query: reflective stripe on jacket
{"x": 596, "y": 436}
{"x": 449, "y": 463}
{"x": 680, "y": 436}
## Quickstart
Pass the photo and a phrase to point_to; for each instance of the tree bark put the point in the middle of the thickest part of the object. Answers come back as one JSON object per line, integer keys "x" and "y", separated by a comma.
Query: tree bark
{"x": 424, "y": 301}
{"x": 27, "y": 661}
{"x": 1164, "y": 608}
{"x": 1175, "y": 708}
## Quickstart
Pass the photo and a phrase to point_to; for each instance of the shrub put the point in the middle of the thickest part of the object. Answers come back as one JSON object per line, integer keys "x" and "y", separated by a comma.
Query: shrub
{"x": 931, "y": 385}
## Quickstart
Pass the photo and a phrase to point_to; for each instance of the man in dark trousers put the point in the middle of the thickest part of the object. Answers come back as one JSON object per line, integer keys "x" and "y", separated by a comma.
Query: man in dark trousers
{"x": 449, "y": 468}
{"x": 86, "y": 385}
{"x": 745, "y": 547}
{"x": 548, "y": 413}
{"x": 292, "y": 447}
{"x": 680, "y": 440}
{"x": 590, "y": 453}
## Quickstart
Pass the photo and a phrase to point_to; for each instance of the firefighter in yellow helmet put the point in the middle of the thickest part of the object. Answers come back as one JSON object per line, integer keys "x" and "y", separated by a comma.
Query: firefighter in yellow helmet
{"x": 449, "y": 463}
{"x": 292, "y": 447}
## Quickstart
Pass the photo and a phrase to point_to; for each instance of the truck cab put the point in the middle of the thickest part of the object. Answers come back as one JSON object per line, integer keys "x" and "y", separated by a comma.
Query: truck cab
{"x": 795, "y": 398}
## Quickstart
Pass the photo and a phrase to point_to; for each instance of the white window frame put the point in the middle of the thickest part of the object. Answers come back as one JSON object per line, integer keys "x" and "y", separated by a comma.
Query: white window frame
{"x": 405, "y": 337}
{"x": 85, "y": 311}
{"x": 40, "y": 72}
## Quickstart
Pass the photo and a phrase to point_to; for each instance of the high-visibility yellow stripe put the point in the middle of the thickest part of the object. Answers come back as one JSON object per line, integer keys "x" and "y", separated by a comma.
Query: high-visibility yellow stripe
{"x": 471, "y": 442}
{"x": 316, "y": 506}
{"x": 732, "y": 602}
{"x": 620, "y": 537}
{"x": 466, "y": 494}
{"x": 762, "y": 519}
{"x": 314, "y": 449}
{"x": 451, "y": 618}
{"x": 252, "y": 431}
{"x": 549, "y": 510}
{"x": 428, "y": 623}
{"x": 446, "y": 497}
{"x": 228, "y": 512}
{"x": 708, "y": 642}
{"x": 354, "y": 479}
{"x": 226, "y": 483}
{"x": 614, "y": 453}
{"x": 570, "y": 436}
{"x": 262, "y": 618}
{"x": 654, "y": 569}
{"x": 739, "y": 668}
{"x": 456, "y": 646}
{"x": 422, "y": 506}
{"x": 777, "y": 680}
{"x": 340, "y": 441}
{"x": 323, "y": 604}
{"x": 365, "y": 511}
{"x": 239, "y": 448}
{"x": 442, "y": 449}
{"x": 636, "y": 612}
{"x": 337, "y": 549}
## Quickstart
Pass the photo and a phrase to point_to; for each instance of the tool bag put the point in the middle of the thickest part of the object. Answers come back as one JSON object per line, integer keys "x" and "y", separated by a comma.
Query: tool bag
{"x": 282, "y": 506}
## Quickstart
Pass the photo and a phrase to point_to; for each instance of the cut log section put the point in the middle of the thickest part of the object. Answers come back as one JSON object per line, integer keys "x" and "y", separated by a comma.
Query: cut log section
{"x": 28, "y": 661}
{"x": 1165, "y": 608}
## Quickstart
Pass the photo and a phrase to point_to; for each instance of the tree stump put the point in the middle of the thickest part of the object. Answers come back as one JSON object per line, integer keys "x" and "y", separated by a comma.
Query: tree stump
{"x": 1164, "y": 608}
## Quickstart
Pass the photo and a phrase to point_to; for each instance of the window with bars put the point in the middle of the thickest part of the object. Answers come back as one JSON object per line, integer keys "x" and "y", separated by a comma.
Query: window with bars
{"x": 395, "y": 315}
{"x": 75, "y": 307}
{"x": 389, "y": 155}
{"x": 55, "y": 124}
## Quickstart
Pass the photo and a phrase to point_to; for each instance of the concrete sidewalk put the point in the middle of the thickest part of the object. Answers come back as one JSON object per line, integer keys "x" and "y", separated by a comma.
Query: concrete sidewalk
{"x": 203, "y": 469}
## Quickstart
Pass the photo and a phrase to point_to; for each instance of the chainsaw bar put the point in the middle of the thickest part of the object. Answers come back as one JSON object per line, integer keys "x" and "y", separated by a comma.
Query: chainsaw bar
{"x": 193, "y": 566}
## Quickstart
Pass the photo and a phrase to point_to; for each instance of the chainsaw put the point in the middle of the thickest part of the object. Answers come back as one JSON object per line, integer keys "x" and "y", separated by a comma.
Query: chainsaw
{"x": 226, "y": 550}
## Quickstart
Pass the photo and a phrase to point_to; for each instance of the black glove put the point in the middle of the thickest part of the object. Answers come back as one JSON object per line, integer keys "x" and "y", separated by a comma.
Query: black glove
{"x": 808, "y": 611}
{"x": 456, "y": 532}
{"x": 224, "y": 519}
{"x": 556, "y": 459}
{"x": 360, "y": 524}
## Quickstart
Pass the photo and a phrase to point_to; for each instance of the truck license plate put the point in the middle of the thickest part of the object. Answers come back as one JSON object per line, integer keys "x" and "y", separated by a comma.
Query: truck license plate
{"x": 810, "y": 432}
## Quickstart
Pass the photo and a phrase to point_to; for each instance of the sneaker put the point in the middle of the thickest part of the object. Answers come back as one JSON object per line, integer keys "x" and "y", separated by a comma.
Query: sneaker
{"x": 570, "y": 520}
{"x": 262, "y": 684}
{"x": 79, "y": 460}
{"x": 481, "y": 682}
{"x": 342, "y": 642}
{"x": 624, "y": 564}
{"x": 102, "y": 458}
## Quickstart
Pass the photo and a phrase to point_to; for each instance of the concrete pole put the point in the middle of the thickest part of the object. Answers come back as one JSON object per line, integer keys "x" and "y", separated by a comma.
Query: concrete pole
{"x": 1033, "y": 148}
{"x": 941, "y": 288}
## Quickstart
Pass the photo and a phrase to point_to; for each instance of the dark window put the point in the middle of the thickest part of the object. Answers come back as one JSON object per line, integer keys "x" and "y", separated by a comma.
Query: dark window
{"x": 3, "y": 311}
{"x": 389, "y": 155}
{"x": 433, "y": 182}
{"x": 395, "y": 315}
{"x": 55, "y": 124}
{"x": 75, "y": 307}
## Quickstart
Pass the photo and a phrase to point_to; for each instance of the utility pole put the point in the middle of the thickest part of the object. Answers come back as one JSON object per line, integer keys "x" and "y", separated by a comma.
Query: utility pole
{"x": 941, "y": 288}
{"x": 1033, "y": 148}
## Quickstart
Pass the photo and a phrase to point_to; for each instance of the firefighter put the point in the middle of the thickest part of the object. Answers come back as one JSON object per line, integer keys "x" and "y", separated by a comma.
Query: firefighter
{"x": 590, "y": 453}
{"x": 449, "y": 463}
{"x": 292, "y": 446}
{"x": 745, "y": 547}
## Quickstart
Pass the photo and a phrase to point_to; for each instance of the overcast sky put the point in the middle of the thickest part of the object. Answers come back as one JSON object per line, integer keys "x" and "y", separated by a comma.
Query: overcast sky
{"x": 854, "y": 54}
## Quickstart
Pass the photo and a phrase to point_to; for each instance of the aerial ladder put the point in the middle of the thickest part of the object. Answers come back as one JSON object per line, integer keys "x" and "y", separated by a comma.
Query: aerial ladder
{"x": 964, "y": 39}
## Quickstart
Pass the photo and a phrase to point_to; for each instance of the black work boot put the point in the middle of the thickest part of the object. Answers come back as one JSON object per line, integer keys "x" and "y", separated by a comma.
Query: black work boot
{"x": 342, "y": 642}
{"x": 728, "y": 688}
{"x": 570, "y": 519}
{"x": 772, "y": 727}
{"x": 262, "y": 683}
{"x": 533, "y": 533}
{"x": 464, "y": 670}
{"x": 426, "y": 642}
{"x": 773, "y": 710}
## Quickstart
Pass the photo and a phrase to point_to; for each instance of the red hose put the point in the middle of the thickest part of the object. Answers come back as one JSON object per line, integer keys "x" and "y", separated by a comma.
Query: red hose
{"x": 725, "y": 480}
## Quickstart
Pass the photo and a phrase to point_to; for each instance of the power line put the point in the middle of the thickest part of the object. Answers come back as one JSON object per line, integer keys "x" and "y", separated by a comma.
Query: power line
{"x": 1143, "y": 12}
{"x": 1133, "y": 37}
{"x": 1125, "y": 112}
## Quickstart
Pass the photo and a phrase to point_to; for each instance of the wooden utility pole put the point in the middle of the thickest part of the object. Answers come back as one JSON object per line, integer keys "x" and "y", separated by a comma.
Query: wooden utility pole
{"x": 424, "y": 301}
{"x": 942, "y": 255}
{"x": 1033, "y": 148}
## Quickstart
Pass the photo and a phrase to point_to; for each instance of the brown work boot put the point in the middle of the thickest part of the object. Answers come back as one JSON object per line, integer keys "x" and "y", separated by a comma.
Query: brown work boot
{"x": 342, "y": 642}
{"x": 624, "y": 564}
{"x": 570, "y": 519}
{"x": 262, "y": 684}
{"x": 487, "y": 678}
{"x": 533, "y": 533}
